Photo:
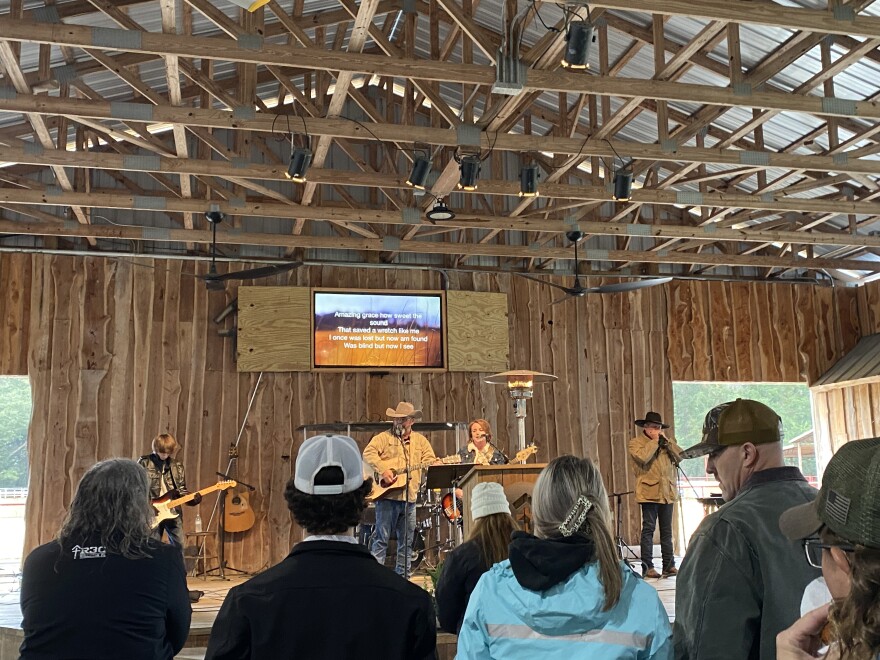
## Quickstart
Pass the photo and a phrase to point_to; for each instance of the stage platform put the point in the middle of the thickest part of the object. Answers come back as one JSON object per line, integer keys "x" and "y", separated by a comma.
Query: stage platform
{"x": 205, "y": 611}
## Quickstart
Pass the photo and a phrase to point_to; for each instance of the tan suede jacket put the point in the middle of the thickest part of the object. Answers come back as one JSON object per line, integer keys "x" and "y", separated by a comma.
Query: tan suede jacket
{"x": 384, "y": 452}
{"x": 654, "y": 469}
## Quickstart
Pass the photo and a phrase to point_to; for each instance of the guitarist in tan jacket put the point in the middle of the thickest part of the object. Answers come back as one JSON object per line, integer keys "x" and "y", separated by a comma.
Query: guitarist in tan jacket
{"x": 654, "y": 459}
{"x": 394, "y": 454}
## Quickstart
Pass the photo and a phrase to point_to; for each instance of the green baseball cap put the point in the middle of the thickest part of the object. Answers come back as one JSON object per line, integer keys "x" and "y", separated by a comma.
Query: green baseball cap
{"x": 736, "y": 423}
{"x": 849, "y": 500}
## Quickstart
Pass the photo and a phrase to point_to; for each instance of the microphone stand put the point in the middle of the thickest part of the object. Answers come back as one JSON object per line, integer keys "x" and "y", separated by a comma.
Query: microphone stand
{"x": 621, "y": 544}
{"x": 680, "y": 473}
{"x": 406, "y": 542}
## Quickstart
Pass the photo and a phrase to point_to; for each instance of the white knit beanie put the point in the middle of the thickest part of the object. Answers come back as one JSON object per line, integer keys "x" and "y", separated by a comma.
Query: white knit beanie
{"x": 488, "y": 498}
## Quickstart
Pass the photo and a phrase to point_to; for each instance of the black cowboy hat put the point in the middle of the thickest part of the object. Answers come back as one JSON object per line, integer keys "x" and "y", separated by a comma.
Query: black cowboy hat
{"x": 652, "y": 418}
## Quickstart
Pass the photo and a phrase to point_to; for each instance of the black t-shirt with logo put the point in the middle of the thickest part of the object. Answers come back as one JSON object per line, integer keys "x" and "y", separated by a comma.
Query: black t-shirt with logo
{"x": 81, "y": 603}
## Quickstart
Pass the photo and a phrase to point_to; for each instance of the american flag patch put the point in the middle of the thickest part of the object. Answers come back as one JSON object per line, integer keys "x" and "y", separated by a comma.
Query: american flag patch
{"x": 837, "y": 506}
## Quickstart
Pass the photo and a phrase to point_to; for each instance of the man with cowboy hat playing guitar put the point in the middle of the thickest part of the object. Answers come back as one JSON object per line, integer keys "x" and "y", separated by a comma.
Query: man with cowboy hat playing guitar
{"x": 394, "y": 454}
{"x": 655, "y": 458}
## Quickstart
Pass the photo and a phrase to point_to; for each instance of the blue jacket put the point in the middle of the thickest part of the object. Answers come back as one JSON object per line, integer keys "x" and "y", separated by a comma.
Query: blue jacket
{"x": 564, "y": 621}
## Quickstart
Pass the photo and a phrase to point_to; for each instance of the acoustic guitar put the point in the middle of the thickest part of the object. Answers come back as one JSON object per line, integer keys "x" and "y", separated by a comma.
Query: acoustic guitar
{"x": 452, "y": 508}
{"x": 382, "y": 487}
{"x": 165, "y": 505}
{"x": 239, "y": 513}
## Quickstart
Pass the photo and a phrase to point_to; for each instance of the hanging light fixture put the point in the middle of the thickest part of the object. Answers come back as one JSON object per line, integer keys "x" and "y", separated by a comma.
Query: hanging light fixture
{"x": 300, "y": 160}
{"x": 469, "y": 171}
{"x": 440, "y": 212}
{"x": 420, "y": 170}
{"x": 577, "y": 48}
{"x": 623, "y": 183}
{"x": 250, "y": 5}
{"x": 528, "y": 181}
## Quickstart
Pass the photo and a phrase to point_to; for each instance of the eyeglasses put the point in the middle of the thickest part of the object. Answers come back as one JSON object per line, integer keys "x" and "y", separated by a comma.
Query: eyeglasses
{"x": 814, "y": 547}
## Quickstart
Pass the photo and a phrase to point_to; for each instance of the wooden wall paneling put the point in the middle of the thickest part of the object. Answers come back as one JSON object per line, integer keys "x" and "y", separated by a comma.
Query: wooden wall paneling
{"x": 848, "y": 314}
{"x": 806, "y": 337}
{"x": 477, "y": 331}
{"x": 789, "y": 362}
{"x": 680, "y": 330}
{"x": 274, "y": 328}
{"x": 722, "y": 323}
{"x": 741, "y": 330}
{"x": 704, "y": 368}
{"x": 869, "y": 308}
{"x": 14, "y": 313}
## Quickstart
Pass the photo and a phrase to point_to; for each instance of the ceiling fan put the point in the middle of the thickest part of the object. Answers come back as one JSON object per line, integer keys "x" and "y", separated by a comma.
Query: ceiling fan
{"x": 578, "y": 290}
{"x": 215, "y": 281}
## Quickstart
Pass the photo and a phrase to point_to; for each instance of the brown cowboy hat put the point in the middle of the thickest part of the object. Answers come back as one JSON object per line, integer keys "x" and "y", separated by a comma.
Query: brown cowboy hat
{"x": 404, "y": 409}
{"x": 652, "y": 418}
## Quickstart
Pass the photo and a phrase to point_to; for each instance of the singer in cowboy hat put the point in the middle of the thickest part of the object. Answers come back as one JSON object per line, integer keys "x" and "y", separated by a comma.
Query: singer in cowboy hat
{"x": 654, "y": 459}
{"x": 390, "y": 454}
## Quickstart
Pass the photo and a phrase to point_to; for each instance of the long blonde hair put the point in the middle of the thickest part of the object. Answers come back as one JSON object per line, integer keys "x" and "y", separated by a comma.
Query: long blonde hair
{"x": 558, "y": 487}
{"x": 492, "y": 534}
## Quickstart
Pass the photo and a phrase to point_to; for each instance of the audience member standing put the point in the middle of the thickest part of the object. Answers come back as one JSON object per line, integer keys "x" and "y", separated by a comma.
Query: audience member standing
{"x": 840, "y": 531}
{"x": 564, "y": 593}
{"x": 487, "y": 544}
{"x": 105, "y": 589}
{"x": 741, "y": 580}
{"x": 329, "y": 599}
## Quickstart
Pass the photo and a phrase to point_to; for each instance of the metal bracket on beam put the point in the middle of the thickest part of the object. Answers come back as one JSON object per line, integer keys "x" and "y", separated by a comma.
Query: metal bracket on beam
{"x": 149, "y": 202}
{"x": 633, "y": 229}
{"x": 510, "y": 75}
{"x": 390, "y": 243}
{"x": 754, "y": 158}
{"x": 742, "y": 89}
{"x": 47, "y": 14}
{"x": 468, "y": 135}
{"x": 133, "y": 111}
{"x": 411, "y": 216}
{"x": 689, "y": 198}
{"x": 835, "y": 106}
{"x": 156, "y": 234}
{"x": 596, "y": 255}
{"x": 250, "y": 41}
{"x": 246, "y": 112}
{"x": 151, "y": 163}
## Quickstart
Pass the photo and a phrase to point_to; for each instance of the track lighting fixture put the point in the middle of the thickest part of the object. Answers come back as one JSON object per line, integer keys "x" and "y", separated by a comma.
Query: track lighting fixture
{"x": 300, "y": 160}
{"x": 250, "y": 5}
{"x": 623, "y": 183}
{"x": 577, "y": 47}
{"x": 469, "y": 171}
{"x": 528, "y": 181}
{"x": 420, "y": 170}
{"x": 440, "y": 212}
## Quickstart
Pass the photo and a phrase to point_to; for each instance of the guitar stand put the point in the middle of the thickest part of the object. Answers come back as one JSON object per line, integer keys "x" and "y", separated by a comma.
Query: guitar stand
{"x": 624, "y": 552}
{"x": 221, "y": 537}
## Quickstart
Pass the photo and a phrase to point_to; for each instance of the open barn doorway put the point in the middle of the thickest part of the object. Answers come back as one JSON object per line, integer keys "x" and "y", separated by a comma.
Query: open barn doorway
{"x": 692, "y": 400}
{"x": 15, "y": 416}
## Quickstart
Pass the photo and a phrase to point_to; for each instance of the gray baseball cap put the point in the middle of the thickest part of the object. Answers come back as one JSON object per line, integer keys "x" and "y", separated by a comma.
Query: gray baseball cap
{"x": 736, "y": 423}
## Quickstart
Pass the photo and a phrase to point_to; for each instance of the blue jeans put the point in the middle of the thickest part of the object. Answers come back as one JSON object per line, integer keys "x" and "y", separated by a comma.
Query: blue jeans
{"x": 401, "y": 517}
{"x": 173, "y": 527}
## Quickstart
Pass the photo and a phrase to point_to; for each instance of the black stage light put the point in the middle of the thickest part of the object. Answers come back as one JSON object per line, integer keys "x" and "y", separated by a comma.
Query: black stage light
{"x": 300, "y": 160}
{"x": 577, "y": 48}
{"x": 528, "y": 181}
{"x": 440, "y": 212}
{"x": 623, "y": 184}
{"x": 469, "y": 170}
{"x": 420, "y": 170}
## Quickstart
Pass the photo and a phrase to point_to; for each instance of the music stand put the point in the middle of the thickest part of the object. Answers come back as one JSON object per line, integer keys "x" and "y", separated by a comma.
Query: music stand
{"x": 447, "y": 476}
{"x": 622, "y": 548}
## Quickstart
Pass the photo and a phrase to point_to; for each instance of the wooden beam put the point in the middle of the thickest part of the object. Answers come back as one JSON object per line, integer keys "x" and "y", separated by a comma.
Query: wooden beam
{"x": 756, "y": 13}
{"x": 225, "y": 237}
{"x": 558, "y": 81}
{"x": 777, "y": 202}
{"x": 155, "y": 202}
{"x": 340, "y": 128}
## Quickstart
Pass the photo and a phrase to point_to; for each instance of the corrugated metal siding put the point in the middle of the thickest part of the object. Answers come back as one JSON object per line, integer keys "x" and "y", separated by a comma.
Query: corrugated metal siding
{"x": 861, "y": 362}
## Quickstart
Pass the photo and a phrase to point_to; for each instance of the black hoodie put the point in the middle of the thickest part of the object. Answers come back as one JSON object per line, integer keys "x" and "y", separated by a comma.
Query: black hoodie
{"x": 539, "y": 564}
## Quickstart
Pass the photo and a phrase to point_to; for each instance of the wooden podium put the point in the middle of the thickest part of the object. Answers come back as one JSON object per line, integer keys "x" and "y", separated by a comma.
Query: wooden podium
{"x": 516, "y": 479}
